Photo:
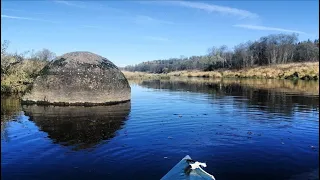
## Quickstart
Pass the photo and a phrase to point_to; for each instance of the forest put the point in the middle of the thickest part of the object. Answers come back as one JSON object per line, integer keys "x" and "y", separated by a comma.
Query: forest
{"x": 268, "y": 50}
{"x": 18, "y": 70}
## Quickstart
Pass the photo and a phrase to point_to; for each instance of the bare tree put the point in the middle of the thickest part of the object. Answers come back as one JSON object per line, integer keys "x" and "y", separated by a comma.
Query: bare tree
{"x": 45, "y": 55}
{"x": 4, "y": 47}
{"x": 6, "y": 59}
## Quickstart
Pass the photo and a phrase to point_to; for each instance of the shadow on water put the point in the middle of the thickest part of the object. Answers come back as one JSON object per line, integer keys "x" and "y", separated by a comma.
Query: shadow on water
{"x": 273, "y": 96}
{"x": 77, "y": 126}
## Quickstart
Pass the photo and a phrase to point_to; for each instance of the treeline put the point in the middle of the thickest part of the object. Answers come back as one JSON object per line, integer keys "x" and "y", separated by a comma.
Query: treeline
{"x": 268, "y": 50}
{"x": 19, "y": 69}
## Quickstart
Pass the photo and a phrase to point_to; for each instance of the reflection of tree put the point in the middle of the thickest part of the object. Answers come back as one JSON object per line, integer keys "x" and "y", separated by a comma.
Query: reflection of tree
{"x": 281, "y": 99}
{"x": 10, "y": 109}
{"x": 287, "y": 86}
{"x": 77, "y": 126}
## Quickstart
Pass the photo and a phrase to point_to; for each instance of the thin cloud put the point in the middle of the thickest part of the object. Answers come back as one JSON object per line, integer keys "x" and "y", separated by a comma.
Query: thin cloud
{"x": 141, "y": 19}
{"x": 215, "y": 8}
{"x": 68, "y": 3}
{"x": 92, "y": 6}
{"x": 156, "y": 38}
{"x": 42, "y": 20}
{"x": 26, "y": 18}
{"x": 138, "y": 19}
{"x": 14, "y": 10}
{"x": 98, "y": 6}
{"x": 264, "y": 28}
{"x": 18, "y": 10}
{"x": 8, "y": 9}
{"x": 16, "y": 17}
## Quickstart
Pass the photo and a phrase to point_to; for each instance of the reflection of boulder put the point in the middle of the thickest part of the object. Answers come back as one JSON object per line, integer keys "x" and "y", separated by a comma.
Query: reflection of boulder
{"x": 79, "y": 78}
{"x": 78, "y": 126}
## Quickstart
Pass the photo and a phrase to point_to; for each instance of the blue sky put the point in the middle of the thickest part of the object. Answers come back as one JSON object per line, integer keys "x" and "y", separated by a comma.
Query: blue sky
{"x": 129, "y": 32}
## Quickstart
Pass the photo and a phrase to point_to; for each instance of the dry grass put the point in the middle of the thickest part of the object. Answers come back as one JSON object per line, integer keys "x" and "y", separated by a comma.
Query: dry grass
{"x": 305, "y": 71}
{"x": 208, "y": 74}
{"x": 143, "y": 75}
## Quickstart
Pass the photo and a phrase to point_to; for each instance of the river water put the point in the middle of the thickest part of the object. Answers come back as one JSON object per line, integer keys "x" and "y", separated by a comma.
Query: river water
{"x": 242, "y": 129}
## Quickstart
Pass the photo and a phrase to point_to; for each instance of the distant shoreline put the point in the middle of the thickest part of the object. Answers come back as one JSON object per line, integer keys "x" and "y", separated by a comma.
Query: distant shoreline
{"x": 291, "y": 71}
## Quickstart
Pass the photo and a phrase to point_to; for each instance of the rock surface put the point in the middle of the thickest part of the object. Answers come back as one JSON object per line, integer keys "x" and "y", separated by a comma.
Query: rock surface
{"x": 79, "y": 78}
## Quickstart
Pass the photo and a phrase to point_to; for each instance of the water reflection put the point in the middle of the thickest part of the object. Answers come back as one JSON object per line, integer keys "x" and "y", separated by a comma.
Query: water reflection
{"x": 10, "y": 109}
{"x": 274, "y": 96}
{"x": 237, "y": 126}
{"x": 76, "y": 126}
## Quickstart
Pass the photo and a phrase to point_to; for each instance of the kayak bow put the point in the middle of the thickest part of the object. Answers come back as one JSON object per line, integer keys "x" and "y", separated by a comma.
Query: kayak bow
{"x": 188, "y": 169}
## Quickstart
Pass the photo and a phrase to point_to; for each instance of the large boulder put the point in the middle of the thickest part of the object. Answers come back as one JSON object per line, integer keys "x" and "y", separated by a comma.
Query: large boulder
{"x": 79, "y": 78}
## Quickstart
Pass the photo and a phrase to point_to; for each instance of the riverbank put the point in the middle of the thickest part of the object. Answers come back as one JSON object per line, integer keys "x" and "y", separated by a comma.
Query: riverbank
{"x": 21, "y": 75}
{"x": 294, "y": 71}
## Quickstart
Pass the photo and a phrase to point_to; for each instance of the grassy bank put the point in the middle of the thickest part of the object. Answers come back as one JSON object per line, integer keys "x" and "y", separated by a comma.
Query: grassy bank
{"x": 20, "y": 76}
{"x": 303, "y": 71}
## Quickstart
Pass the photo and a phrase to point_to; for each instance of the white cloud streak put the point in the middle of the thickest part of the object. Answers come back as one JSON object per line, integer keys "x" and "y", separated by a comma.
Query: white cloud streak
{"x": 141, "y": 19}
{"x": 68, "y": 3}
{"x": 264, "y": 28}
{"x": 16, "y": 17}
{"x": 42, "y": 20}
{"x": 138, "y": 19}
{"x": 29, "y": 12}
{"x": 215, "y": 9}
{"x": 91, "y": 5}
{"x": 26, "y": 18}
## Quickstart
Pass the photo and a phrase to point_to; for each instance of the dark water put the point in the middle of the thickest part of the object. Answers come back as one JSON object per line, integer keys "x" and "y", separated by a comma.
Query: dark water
{"x": 241, "y": 129}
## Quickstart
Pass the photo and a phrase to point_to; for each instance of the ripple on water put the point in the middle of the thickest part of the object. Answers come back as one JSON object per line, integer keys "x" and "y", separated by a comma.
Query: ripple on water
{"x": 240, "y": 131}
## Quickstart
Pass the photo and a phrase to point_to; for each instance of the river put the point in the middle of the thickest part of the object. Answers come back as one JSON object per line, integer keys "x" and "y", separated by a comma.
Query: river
{"x": 242, "y": 129}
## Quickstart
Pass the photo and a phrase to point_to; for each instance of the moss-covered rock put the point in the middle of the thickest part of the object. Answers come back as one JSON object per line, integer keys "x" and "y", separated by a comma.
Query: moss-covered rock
{"x": 79, "y": 78}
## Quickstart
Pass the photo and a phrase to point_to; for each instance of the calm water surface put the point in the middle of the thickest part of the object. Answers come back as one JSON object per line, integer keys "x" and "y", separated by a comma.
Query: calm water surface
{"x": 241, "y": 129}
